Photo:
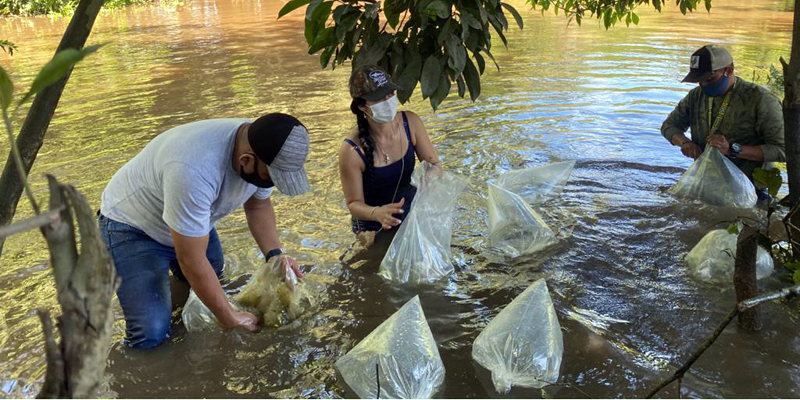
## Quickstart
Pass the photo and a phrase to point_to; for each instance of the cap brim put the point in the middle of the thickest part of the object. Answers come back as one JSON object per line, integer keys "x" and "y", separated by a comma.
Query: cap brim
{"x": 290, "y": 183}
{"x": 382, "y": 91}
{"x": 697, "y": 76}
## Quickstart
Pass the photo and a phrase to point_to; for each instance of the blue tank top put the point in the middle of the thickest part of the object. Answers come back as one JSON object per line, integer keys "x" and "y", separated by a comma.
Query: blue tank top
{"x": 380, "y": 189}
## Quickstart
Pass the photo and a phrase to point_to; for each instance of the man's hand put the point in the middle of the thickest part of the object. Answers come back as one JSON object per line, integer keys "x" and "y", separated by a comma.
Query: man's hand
{"x": 720, "y": 142}
{"x": 240, "y": 319}
{"x": 291, "y": 263}
{"x": 690, "y": 149}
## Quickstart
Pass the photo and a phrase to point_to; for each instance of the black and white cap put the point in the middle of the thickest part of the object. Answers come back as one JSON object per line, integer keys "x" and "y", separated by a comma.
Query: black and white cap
{"x": 281, "y": 142}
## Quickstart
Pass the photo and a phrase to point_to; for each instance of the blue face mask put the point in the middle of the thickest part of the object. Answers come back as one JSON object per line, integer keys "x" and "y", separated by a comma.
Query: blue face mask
{"x": 716, "y": 89}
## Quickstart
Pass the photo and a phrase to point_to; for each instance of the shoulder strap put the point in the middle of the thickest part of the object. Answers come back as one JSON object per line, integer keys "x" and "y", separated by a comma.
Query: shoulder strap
{"x": 408, "y": 130}
{"x": 356, "y": 148}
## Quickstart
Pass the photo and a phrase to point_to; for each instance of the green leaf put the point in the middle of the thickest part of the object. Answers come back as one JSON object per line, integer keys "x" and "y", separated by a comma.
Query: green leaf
{"x": 371, "y": 12}
{"x": 438, "y": 8}
{"x": 323, "y": 40}
{"x": 447, "y": 28}
{"x": 768, "y": 179}
{"x": 393, "y": 18}
{"x": 473, "y": 80}
{"x": 468, "y": 19}
{"x": 733, "y": 229}
{"x": 792, "y": 266}
{"x": 6, "y": 89}
{"x": 325, "y": 57}
{"x": 796, "y": 276}
{"x": 513, "y": 12}
{"x": 634, "y": 18}
{"x": 57, "y": 68}
{"x": 481, "y": 62}
{"x": 607, "y": 18}
{"x": 430, "y": 76}
{"x": 787, "y": 278}
{"x": 462, "y": 87}
{"x": 347, "y": 24}
{"x": 321, "y": 13}
{"x": 456, "y": 54}
{"x": 291, "y": 6}
{"x": 441, "y": 91}
{"x": 410, "y": 76}
{"x": 310, "y": 9}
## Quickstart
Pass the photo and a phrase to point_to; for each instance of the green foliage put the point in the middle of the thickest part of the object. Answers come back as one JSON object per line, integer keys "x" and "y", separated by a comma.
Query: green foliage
{"x": 8, "y": 47}
{"x": 733, "y": 228}
{"x": 610, "y": 11}
{"x": 6, "y": 90}
{"x": 794, "y": 272}
{"x": 53, "y": 7}
{"x": 432, "y": 43}
{"x": 769, "y": 179}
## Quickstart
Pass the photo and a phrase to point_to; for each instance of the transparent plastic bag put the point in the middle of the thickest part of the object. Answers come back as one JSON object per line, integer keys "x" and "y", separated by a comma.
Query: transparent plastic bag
{"x": 522, "y": 345}
{"x": 420, "y": 251}
{"x": 715, "y": 180}
{"x": 276, "y": 294}
{"x": 538, "y": 184}
{"x": 713, "y": 258}
{"x": 408, "y": 360}
{"x": 514, "y": 227}
{"x": 196, "y": 316}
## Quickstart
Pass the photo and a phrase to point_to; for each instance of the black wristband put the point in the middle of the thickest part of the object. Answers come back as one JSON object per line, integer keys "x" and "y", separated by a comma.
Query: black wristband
{"x": 272, "y": 253}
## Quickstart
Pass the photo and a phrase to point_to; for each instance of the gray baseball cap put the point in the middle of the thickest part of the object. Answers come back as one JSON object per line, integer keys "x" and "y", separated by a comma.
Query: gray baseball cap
{"x": 705, "y": 61}
{"x": 281, "y": 142}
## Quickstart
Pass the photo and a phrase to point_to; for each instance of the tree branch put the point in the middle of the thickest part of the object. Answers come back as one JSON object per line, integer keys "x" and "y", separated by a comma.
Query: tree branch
{"x": 43, "y": 219}
{"x": 23, "y": 177}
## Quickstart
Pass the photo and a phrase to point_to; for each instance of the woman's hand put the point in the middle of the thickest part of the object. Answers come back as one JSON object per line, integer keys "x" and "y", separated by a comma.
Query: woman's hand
{"x": 385, "y": 214}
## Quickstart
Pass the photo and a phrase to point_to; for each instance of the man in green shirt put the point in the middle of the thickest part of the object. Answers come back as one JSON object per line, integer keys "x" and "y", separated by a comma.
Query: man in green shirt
{"x": 742, "y": 119}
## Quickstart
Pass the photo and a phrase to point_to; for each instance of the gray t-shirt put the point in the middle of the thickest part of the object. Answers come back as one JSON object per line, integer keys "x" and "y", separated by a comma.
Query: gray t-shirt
{"x": 183, "y": 179}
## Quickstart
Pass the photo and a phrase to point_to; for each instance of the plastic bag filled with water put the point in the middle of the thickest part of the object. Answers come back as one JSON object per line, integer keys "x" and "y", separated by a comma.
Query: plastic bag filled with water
{"x": 408, "y": 362}
{"x": 537, "y": 184}
{"x": 276, "y": 294}
{"x": 515, "y": 228}
{"x": 713, "y": 259}
{"x": 715, "y": 180}
{"x": 522, "y": 346}
{"x": 420, "y": 251}
{"x": 196, "y": 316}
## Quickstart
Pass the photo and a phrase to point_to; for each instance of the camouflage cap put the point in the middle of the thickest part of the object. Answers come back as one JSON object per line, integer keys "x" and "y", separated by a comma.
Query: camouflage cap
{"x": 371, "y": 83}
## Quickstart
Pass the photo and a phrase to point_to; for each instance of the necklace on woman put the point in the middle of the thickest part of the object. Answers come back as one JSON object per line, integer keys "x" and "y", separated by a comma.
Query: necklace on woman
{"x": 385, "y": 154}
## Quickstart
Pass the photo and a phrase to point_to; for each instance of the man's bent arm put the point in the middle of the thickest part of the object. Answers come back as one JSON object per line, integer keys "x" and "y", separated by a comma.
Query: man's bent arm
{"x": 262, "y": 223}
{"x": 191, "y": 253}
{"x": 677, "y": 123}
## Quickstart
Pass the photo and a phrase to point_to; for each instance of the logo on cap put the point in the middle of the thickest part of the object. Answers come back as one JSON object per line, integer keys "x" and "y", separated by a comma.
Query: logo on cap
{"x": 378, "y": 77}
{"x": 695, "y": 62}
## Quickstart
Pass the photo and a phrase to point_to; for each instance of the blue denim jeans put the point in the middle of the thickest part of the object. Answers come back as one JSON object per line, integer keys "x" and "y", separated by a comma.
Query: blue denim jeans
{"x": 143, "y": 266}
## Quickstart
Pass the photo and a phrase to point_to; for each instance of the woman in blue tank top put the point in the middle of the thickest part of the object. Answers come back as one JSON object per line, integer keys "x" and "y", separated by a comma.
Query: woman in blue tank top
{"x": 377, "y": 159}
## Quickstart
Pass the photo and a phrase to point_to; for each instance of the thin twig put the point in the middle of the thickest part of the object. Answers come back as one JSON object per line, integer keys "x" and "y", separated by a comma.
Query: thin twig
{"x": 378, "y": 381}
{"x": 682, "y": 370}
{"x": 18, "y": 161}
{"x": 43, "y": 219}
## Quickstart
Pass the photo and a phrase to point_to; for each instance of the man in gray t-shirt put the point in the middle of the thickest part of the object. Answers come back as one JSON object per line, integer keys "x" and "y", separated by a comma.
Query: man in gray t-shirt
{"x": 158, "y": 213}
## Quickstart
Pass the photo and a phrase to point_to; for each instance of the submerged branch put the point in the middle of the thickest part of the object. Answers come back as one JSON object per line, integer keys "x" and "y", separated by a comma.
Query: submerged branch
{"x": 741, "y": 306}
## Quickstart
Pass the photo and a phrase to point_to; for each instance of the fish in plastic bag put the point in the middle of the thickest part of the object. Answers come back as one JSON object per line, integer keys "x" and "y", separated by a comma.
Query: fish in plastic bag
{"x": 420, "y": 251}
{"x": 196, "y": 316}
{"x": 715, "y": 180}
{"x": 537, "y": 184}
{"x": 409, "y": 366}
{"x": 713, "y": 259}
{"x": 276, "y": 294}
{"x": 514, "y": 227}
{"x": 522, "y": 345}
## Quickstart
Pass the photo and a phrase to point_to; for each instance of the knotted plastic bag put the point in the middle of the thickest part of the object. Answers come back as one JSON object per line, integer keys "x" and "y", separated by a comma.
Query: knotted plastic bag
{"x": 522, "y": 346}
{"x": 420, "y": 251}
{"x": 409, "y": 366}
{"x": 276, "y": 294}
{"x": 538, "y": 184}
{"x": 713, "y": 259}
{"x": 514, "y": 226}
{"x": 196, "y": 316}
{"x": 715, "y": 180}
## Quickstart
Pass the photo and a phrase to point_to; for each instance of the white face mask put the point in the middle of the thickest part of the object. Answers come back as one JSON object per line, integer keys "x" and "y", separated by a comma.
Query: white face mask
{"x": 384, "y": 111}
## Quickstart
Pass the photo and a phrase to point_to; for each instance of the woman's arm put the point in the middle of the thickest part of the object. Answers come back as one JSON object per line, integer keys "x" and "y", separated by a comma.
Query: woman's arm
{"x": 422, "y": 142}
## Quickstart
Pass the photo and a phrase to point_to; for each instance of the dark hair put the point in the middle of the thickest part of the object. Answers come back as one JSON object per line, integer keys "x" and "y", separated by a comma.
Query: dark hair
{"x": 367, "y": 143}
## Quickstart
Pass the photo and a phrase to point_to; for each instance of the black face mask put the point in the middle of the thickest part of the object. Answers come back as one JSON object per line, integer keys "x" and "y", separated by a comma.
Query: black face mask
{"x": 254, "y": 179}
